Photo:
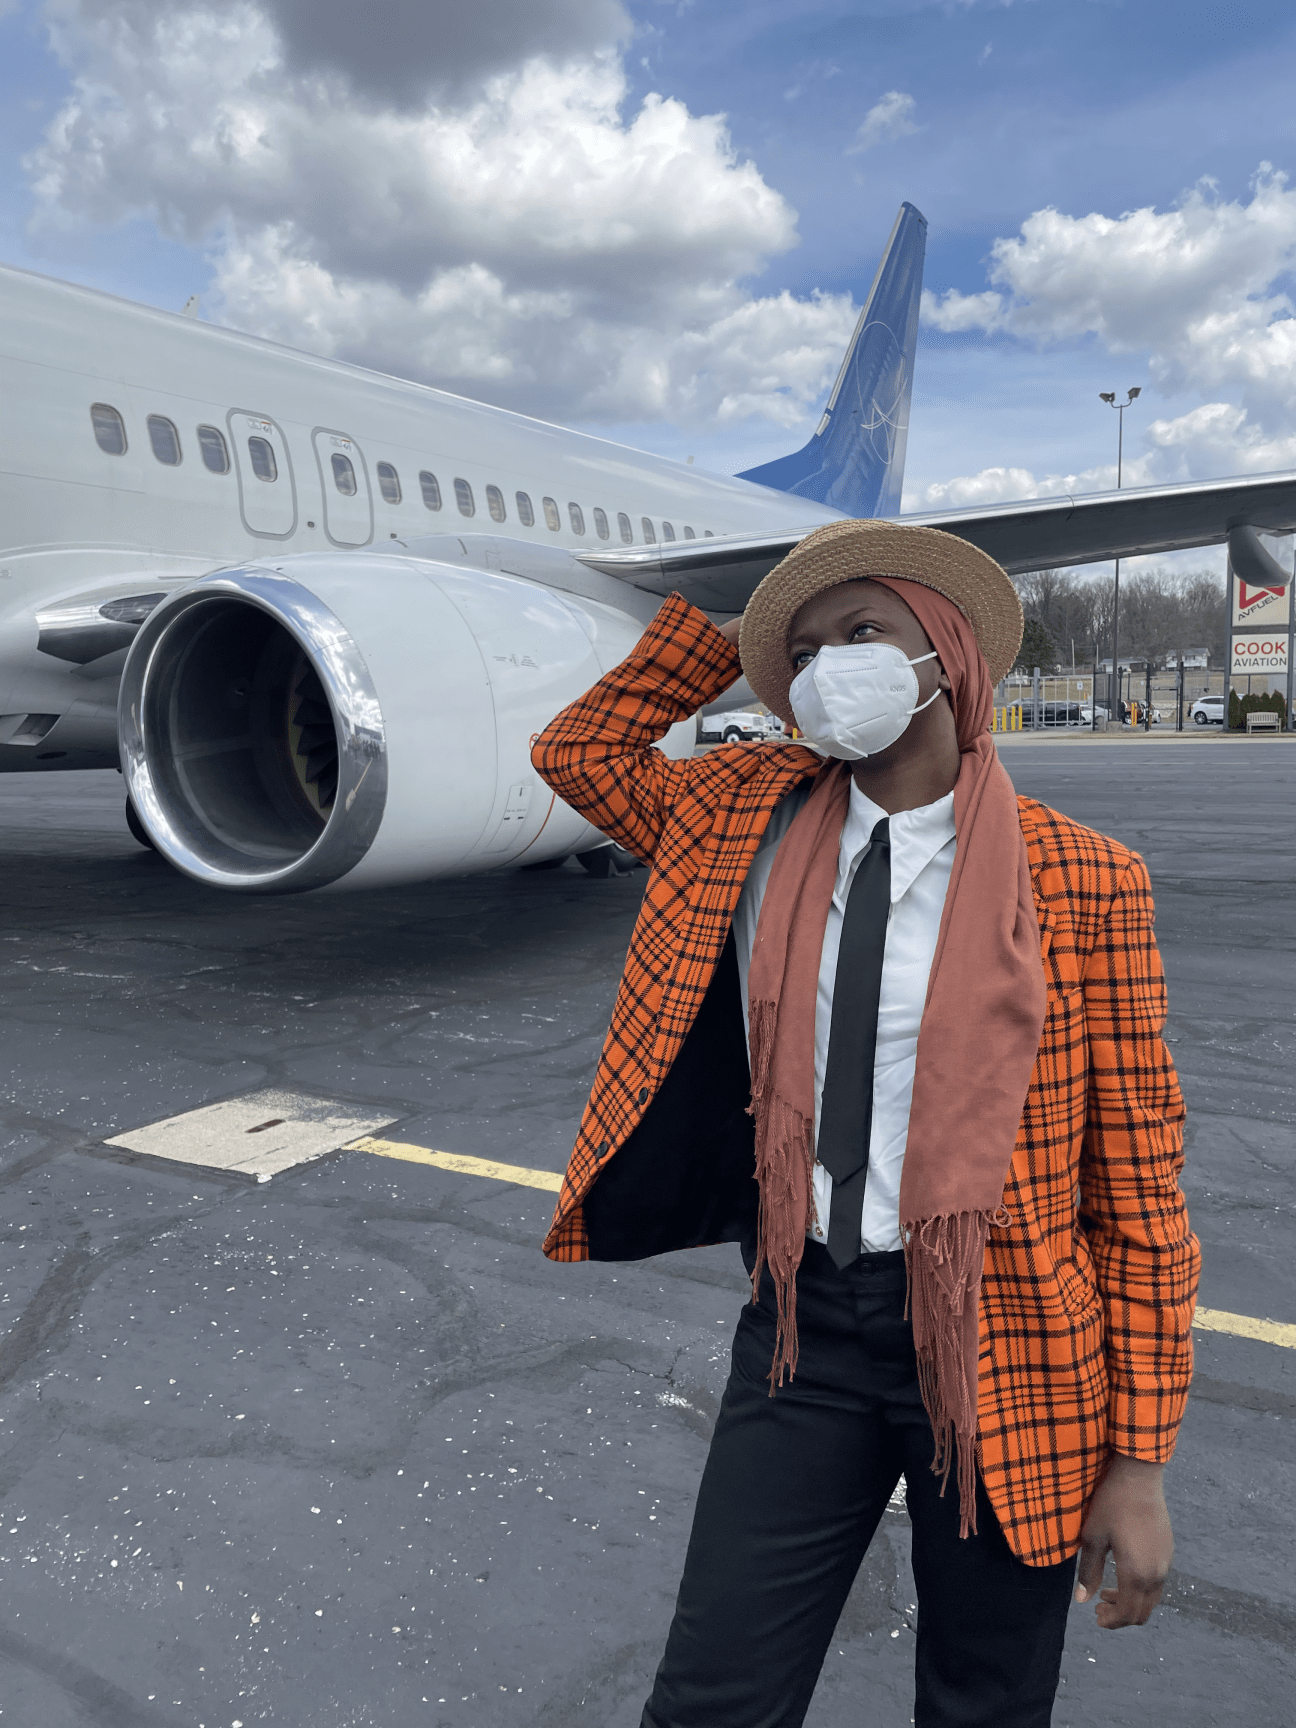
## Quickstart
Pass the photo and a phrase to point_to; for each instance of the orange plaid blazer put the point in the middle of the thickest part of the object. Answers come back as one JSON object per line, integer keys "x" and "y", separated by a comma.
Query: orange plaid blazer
{"x": 1088, "y": 1292}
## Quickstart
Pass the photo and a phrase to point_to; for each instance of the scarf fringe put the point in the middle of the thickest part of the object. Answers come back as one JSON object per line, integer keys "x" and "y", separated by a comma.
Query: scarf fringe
{"x": 944, "y": 1257}
{"x": 762, "y": 1019}
{"x": 784, "y": 1166}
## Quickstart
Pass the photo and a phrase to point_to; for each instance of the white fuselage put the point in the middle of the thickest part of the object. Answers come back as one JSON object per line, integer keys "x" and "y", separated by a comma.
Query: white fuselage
{"x": 300, "y": 464}
{"x": 74, "y": 517}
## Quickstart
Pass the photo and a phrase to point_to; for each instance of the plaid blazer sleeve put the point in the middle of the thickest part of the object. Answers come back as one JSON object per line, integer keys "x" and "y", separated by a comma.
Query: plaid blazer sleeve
{"x": 1146, "y": 1258}
{"x": 598, "y": 754}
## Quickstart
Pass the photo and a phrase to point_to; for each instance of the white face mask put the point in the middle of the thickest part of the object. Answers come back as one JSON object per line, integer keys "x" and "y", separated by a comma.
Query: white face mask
{"x": 854, "y": 700}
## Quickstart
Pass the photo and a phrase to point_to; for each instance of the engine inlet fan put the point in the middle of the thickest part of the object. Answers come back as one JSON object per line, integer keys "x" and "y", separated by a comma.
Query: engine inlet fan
{"x": 312, "y": 738}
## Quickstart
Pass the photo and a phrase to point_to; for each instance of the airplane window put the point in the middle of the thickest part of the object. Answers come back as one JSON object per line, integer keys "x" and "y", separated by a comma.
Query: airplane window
{"x": 431, "y": 490}
{"x": 495, "y": 503}
{"x": 389, "y": 483}
{"x": 650, "y": 537}
{"x": 109, "y": 429}
{"x": 215, "y": 453}
{"x": 526, "y": 515}
{"x": 577, "y": 518}
{"x": 344, "y": 474}
{"x": 262, "y": 453}
{"x": 600, "y": 523}
{"x": 623, "y": 523}
{"x": 165, "y": 440}
{"x": 552, "y": 518}
{"x": 689, "y": 534}
{"x": 464, "y": 498}
{"x": 668, "y": 533}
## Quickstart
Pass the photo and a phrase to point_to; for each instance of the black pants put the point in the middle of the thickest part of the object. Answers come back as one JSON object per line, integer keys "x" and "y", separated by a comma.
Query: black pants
{"x": 793, "y": 1490}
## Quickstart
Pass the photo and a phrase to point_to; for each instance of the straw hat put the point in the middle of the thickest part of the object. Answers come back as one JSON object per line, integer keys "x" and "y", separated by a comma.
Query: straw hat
{"x": 850, "y": 551}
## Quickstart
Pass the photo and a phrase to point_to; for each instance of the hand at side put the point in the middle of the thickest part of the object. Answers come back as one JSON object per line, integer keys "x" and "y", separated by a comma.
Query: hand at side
{"x": 1127, "y": 1518}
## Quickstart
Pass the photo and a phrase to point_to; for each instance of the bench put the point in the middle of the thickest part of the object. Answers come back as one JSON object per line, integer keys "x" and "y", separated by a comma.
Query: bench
{"x": 1263, "y": 720}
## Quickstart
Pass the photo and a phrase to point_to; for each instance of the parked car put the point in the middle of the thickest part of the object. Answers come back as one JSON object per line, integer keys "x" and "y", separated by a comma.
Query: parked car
{"x": 1208, "y": 711}
{"x": 1087, "y": 713}
{"x": 739, "y": 725}
{"x": 1051, "y": 714}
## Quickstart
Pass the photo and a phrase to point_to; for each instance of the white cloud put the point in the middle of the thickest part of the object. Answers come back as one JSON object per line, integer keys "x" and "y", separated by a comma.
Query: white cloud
{"x": 954, "y": 313}
{"x": 1193, "y": 284}
{"x": 1198, "y": 291}
{"x": 891, "y": 117}
{"x": 400, "y": 50}
{"x": 516, "y": 233}
{"x": 1007, "y": 485}
{"x": 1001, "y": 485}
{"x": 1214, "y": 438}
{"x": 1218, "y": 438}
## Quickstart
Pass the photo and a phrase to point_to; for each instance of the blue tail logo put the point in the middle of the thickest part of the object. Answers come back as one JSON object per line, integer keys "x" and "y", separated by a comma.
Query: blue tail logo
{"x": 855, "y": 461}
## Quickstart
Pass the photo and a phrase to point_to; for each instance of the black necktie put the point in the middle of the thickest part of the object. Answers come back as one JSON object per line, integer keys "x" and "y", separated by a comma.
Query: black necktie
{"x": 846, "y": 1109}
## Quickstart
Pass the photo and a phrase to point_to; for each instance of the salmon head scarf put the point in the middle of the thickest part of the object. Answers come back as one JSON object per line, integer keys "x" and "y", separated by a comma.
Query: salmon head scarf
{"x": 977, "y": 1046}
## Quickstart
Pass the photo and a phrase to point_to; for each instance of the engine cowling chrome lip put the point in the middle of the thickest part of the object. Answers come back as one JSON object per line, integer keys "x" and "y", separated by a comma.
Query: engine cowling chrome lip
{"x": 361, "y": 796}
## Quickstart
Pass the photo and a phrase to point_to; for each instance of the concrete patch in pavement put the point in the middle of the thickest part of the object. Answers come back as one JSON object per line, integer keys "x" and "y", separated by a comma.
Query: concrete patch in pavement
{"x": 260, "y": 1134}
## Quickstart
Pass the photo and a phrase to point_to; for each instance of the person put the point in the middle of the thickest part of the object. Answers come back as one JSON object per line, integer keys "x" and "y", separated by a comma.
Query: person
{"x": 898, "y": 1033}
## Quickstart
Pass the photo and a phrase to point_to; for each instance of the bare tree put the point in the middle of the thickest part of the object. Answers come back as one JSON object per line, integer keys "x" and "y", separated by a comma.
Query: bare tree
{"x": 1162, "y": 612}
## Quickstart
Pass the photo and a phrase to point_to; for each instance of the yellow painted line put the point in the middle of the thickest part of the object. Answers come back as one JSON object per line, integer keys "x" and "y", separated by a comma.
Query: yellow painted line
{"x": 1243, "y": 1326}
{"x": 1206, "y": 1319}
{"x": 461, "y": 1165}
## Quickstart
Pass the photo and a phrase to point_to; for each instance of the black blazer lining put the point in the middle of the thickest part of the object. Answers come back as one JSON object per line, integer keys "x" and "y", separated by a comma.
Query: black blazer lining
{"x": 687, "y": 1174}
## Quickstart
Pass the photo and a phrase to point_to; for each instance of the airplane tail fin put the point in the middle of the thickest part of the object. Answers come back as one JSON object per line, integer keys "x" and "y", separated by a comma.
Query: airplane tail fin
{"x": 855, "y": 461}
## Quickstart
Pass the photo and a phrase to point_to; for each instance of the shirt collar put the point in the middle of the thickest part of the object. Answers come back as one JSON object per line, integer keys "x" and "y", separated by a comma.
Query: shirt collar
{"x": 916, "y": 837}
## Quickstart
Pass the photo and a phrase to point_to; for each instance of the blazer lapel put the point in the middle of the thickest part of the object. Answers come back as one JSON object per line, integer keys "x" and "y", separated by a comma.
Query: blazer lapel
{"x": 1045, "y": 917}
{"x": 1043, "y": 911}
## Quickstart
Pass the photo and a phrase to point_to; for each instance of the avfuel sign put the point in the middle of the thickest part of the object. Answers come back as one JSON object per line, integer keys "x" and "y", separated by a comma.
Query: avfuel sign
{"x": 1261, "y": 627}
{"x": 1266, "y": 609}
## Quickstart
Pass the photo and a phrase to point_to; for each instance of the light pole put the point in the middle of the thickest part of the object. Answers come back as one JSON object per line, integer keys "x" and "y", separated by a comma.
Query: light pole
{"x": 1109, "y": 397}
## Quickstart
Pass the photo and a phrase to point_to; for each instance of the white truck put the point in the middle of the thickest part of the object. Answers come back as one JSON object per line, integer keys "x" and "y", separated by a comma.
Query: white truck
{"x": 739, "y": 725}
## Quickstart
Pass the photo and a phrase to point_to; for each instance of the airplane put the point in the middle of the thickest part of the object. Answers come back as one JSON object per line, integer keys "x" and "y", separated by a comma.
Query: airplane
{"x": 316, "y": 615}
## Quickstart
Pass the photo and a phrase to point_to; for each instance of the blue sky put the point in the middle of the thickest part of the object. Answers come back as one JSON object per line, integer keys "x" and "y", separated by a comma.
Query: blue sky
{"x": 685, "y": 285}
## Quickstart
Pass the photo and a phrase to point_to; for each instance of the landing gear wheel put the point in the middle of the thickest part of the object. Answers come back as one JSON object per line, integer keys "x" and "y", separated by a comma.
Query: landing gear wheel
{"x": 608, "y": 861}
{"x": 137, "y": 828}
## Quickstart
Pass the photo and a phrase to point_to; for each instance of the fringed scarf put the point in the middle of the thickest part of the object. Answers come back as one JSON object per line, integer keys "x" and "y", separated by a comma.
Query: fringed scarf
{"x": 977, "y": 1046}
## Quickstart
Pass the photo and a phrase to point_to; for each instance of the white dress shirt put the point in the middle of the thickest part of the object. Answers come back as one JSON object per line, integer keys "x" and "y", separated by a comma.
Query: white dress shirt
{"x": 922, "y": 856}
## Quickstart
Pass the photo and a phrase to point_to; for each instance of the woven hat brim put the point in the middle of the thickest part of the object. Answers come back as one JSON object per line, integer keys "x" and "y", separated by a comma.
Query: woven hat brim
{"x": 852, "y": 551}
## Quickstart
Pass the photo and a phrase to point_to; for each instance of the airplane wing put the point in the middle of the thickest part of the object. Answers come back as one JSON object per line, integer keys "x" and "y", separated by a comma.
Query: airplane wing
{"x": 1038, "y": 533}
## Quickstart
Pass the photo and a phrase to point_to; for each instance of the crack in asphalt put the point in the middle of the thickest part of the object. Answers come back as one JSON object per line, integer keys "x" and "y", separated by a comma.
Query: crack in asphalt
{"x": 104, "y": 1705}
{"x": 1235, "y": 1611}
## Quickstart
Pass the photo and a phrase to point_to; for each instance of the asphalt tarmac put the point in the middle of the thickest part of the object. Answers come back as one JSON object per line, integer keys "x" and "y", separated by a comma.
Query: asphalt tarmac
{"x": 344, "y": 1449}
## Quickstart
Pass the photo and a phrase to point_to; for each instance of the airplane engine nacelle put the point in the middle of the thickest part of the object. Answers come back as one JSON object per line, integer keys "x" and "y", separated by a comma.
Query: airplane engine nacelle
{"x": 357, "y": 720}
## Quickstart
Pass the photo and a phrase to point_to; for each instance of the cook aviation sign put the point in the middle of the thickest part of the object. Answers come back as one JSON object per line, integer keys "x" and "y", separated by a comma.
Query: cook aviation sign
{"x": 1260, "y": 653}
